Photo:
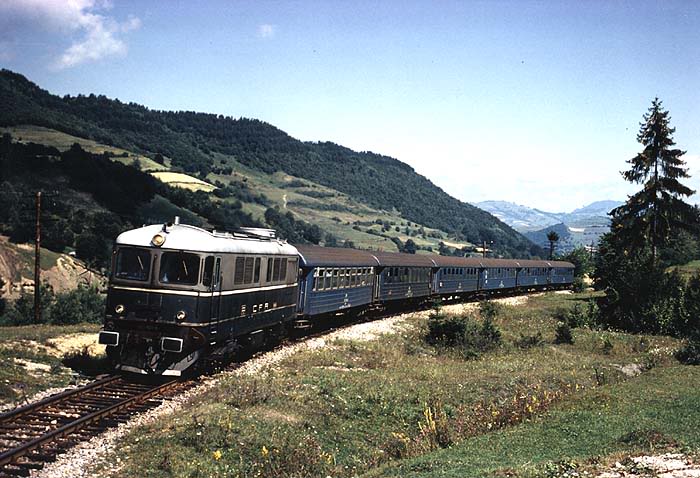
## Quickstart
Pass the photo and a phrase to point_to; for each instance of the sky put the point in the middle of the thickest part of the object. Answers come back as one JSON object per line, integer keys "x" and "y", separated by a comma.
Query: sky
{"x": 535, "y": 102}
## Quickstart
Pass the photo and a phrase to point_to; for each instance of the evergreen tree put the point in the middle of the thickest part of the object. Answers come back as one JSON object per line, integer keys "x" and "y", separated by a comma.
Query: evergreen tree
{"x": 552, "y": 237}
{"x": 650, "y": 216}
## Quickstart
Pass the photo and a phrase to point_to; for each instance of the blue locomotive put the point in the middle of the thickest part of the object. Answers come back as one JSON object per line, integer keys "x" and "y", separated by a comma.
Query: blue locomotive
{"x": 179, "y": 294}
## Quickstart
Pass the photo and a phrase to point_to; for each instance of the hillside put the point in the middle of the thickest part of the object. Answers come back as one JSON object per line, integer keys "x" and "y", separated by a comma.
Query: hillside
{"x": 216, "y": 148}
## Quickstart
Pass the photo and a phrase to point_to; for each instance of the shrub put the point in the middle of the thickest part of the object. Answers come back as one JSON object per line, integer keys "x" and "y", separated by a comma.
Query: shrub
{"x": 563, "y": 334}
{"x": 578, "y": 285}
{"x": 489, "y": 309}
{"x": 607, "y": 345}
{"x": 578, "y": 316}
{"x": 690, "y": 353}
{"x": 21, "y": 311}
{"x": 463, "y": 334}
{"x": 84, "y": 304}
{"x": 529, "y": 341}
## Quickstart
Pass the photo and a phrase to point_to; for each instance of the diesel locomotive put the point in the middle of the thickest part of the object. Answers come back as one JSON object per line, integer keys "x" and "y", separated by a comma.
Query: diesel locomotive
{"x": 179, "y": 294}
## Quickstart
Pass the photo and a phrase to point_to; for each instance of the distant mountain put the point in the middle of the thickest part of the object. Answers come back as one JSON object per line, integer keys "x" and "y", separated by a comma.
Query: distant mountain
{"x": 582, "y": 226}
{"x": 598, "y": 208}
{"x": 520, "y": 218}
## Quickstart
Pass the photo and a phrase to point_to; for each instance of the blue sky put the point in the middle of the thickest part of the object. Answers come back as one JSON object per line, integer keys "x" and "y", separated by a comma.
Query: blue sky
{"x": 533, "y": 102}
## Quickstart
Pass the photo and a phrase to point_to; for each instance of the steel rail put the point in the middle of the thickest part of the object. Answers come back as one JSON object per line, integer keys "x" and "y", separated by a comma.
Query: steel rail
{"x": 31, "y": 407}
{"x": 12, "y": 455}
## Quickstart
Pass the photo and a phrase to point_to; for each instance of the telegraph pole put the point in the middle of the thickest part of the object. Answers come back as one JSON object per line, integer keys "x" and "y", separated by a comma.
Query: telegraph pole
{"x": 37, "y": 262}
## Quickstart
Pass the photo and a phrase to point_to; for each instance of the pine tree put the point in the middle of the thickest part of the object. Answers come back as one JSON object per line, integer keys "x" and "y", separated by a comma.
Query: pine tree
{"x": 650, "y": 216}
{"x": 552, "y": 237}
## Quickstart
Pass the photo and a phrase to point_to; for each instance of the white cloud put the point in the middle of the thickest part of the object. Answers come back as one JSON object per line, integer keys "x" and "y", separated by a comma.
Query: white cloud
{"x": 99, "y": 36}
{"x": 266, "y": 30}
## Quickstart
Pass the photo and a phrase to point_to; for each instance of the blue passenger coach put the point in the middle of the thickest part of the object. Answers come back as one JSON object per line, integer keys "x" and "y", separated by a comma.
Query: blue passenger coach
{"x": 498, "y": 274}
{"x": 561, "y": 273}
{"x": 456, "y": 275}
{"x": 333, "y": 280}
{"x": 403, "y": 276}
{"x": 533, "y": 274}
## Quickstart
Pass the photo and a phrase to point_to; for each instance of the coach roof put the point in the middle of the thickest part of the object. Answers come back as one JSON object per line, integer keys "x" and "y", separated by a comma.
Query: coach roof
{"x": 317, "y": 256}
{"x": 182, "y": 237}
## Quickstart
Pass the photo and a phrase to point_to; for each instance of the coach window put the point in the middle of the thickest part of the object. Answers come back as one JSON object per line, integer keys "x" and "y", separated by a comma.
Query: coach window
{"x": 320, "y": 278}
{"x": 179, "y": 268}
{"x": 133, "y": 264}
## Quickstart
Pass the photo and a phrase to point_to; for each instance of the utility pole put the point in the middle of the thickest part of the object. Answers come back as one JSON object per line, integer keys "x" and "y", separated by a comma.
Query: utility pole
{"x": 483, "y": 248}
{"x": 37, "y": 262}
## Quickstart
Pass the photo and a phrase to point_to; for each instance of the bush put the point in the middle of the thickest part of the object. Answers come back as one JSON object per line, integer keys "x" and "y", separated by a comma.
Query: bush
{"x": 84, "y": 304}
{"x": 463, "y": 334}
{"x": 21, "y": 311}
{"x": 489, "y": 309}
{"x": 529, "y": 341}
{"x": 578, "y": 316}
{"x": 578, "y": 285}
{"x": 563, "y": 334}
{"x": 690, "y": 353}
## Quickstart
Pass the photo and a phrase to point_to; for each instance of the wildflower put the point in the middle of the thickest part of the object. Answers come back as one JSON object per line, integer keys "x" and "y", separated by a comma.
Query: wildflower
{"x": 264, "y": 452}
{"x": 217, "y": 455}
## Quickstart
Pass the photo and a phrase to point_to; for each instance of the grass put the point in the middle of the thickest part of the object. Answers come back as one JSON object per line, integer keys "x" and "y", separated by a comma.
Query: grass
{"x": 30, "y": 361}
{"x": 652, "y": 413}
{"x": 387, "y": 407}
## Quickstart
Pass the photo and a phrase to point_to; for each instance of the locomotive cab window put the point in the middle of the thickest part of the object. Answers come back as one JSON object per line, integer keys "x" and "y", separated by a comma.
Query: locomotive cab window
{"x": 208, "y": 272}
{"x": 132, "y": 264}
{"x": 179, "y": 268}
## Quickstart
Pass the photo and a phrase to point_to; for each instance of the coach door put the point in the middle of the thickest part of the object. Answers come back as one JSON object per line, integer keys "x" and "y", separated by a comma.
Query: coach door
{"x": 215, "y": 297}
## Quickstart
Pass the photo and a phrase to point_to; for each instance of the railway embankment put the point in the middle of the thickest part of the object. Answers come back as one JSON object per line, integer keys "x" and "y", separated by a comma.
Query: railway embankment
{"x": 376, "y": 398}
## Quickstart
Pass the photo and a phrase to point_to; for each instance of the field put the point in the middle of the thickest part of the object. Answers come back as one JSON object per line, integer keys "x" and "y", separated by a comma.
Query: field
{"x": 182, "y": 180}
{"x": 396, "y": 406}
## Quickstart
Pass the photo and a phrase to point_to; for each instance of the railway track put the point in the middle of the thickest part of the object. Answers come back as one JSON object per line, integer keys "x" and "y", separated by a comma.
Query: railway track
{"x": 35, "y": 434}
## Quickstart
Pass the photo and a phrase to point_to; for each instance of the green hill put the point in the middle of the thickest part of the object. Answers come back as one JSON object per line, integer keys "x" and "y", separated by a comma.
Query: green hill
{"x": 217, "y": 148}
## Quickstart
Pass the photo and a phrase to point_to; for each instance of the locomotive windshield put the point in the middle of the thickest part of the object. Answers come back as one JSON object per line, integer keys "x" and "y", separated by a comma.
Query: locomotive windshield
{"x": 179, "y": 268}
{"x": 133, "y": 264}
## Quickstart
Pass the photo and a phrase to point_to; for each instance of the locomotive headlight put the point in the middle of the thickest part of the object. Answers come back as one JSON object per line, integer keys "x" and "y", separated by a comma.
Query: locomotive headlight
{"x": 181, "y": 315}
{"x": 158, "y": 240}
{"x": 119, "y": 309}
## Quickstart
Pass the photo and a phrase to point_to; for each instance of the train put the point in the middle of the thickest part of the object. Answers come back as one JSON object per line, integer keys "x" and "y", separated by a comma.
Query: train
{"x": 180, "y": 295}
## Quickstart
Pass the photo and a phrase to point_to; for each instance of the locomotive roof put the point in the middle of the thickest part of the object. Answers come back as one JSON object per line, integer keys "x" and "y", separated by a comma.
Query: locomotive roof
{"x": 182, "y": 237}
